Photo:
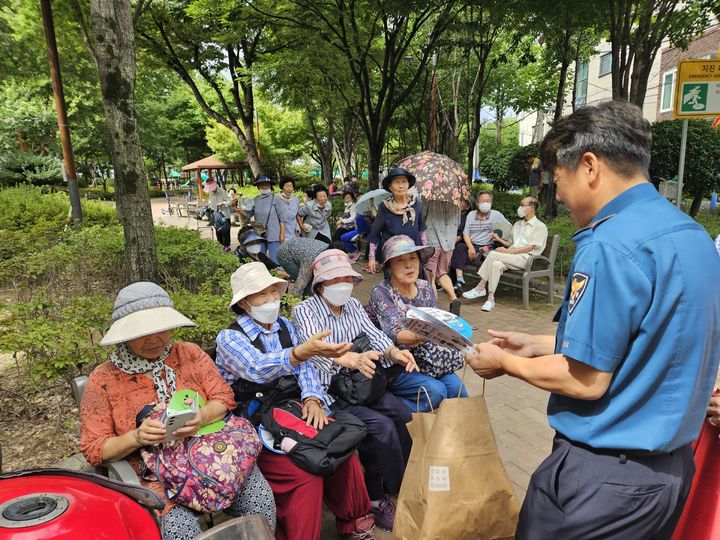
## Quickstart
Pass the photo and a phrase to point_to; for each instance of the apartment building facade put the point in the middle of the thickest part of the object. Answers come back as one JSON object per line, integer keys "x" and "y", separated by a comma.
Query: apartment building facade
{"x": 594, "y": 82}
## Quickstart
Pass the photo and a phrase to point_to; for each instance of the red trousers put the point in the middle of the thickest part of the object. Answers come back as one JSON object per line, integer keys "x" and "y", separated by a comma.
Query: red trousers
{"x": 299, "y": 496}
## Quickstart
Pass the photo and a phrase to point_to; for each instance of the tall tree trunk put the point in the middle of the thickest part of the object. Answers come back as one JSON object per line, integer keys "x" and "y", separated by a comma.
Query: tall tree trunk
{"x": 498, "y": 126}
{"x": 374, "y": 157}
{"x": 472, "y": 141}
{"x": 539, "y": 127}
{"x": 565, "y": 63}
{"x": 249, "y": 146}
{"x": 575, "y": 75}
{"x": 695, "y": 205}
{"x": 114, "y": 53}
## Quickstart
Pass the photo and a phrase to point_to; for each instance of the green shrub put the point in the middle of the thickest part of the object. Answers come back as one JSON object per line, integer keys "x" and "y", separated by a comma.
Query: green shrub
{"x": 188, "y": 261}
{"x": 506, "y": 166}
{"x": 57, "y": 340}
{"x": 26, "y": 167}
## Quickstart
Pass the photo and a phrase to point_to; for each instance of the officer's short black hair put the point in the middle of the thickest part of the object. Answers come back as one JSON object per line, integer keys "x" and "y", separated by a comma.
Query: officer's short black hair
{"x": 615, "y": 131}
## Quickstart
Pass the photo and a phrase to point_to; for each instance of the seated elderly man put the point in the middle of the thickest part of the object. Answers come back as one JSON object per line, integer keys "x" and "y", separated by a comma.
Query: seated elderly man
{"x": 386, "y": 448}
{"x": 529, "y": 236}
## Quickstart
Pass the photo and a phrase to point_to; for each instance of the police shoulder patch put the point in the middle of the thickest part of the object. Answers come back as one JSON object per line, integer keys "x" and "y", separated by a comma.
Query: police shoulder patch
{"x": 578, "y": 285}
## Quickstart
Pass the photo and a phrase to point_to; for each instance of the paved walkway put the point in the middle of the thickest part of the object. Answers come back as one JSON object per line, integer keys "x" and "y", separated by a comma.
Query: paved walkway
{"x": 517, "y": 410}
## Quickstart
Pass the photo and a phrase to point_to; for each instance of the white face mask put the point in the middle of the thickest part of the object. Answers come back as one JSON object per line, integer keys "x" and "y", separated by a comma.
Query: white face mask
{"x": 522, "y": 211}
{"x": 265, "y": 191}
{"x": 338, "y": 294}
{"x": 266, "y": 313}
{"x": 253, "y": 249}
{"x": 484, "y": 207}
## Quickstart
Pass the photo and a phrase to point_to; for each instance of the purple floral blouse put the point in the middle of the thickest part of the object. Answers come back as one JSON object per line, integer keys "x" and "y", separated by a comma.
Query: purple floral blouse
{"x": 387, "y": 310}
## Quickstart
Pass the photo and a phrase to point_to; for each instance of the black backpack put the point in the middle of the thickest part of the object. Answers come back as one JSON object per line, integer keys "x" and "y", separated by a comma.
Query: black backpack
{"x": 320, "y": 451}
{"x": 246, "y": 392}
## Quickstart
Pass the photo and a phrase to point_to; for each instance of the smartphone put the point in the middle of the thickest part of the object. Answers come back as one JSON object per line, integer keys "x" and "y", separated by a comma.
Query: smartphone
{"x": 176, "y": 419}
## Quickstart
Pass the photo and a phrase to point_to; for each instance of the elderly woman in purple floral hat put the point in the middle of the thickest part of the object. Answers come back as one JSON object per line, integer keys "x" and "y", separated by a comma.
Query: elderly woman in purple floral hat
{"x": 389, "y": 301}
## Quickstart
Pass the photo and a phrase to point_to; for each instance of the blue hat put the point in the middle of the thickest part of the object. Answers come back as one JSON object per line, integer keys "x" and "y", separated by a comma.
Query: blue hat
{"x": 263, "y": 178}
{"x": 397, "y": 171}
{"x": 251, "y": 237}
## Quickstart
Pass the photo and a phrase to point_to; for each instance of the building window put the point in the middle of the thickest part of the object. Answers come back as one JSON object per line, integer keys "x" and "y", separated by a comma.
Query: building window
{"x": 581, "y": 86}
{"x": 668, "y": 91}
{"x": 605, "y": 64}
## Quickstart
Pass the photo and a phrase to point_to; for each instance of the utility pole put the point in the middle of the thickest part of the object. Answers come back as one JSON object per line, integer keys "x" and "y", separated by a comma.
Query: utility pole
{"x": 57, "y": 86}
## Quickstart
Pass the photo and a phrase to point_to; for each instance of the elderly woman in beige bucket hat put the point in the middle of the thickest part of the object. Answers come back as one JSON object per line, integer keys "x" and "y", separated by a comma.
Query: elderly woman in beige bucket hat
{"x": 262, "y": 347}
{"x": 146, "y": 368}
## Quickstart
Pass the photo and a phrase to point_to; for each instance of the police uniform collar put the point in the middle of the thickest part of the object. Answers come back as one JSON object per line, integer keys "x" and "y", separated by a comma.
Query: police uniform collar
{"x": 593, "y": 225}
{"x": 640, "y": 192}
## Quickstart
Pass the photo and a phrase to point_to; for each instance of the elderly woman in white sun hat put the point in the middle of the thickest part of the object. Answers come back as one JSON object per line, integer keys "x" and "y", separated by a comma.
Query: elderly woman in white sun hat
{"x": 147, "y": 368}
{"x": 263, "y": 348}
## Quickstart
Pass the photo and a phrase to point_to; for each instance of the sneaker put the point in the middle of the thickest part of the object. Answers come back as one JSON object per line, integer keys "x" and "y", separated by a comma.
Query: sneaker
{"x": 226, "y": 249}
{"x": 354, "y": 257}
{"x": 488, "y": 306}
{"x": 455, "y": 307}
{"x": 364, "y": 528}
{"x": 384, "y": 514}
{"x": 473, "y": 294}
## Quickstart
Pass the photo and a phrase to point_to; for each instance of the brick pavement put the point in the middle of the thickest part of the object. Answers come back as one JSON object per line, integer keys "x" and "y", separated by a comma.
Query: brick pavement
{"x": 517, "y": 410}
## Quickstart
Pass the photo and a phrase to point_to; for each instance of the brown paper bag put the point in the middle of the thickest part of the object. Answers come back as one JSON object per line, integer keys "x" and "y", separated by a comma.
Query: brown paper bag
{"x": 455, "y": 485}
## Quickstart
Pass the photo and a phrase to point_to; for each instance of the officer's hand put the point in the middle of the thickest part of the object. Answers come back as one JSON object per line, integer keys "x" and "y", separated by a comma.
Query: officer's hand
{"x": 517, "y": 343}
{"x": 485, "y": 360}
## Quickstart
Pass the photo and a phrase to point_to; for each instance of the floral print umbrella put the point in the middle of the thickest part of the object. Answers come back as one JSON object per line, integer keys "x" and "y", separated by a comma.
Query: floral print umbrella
{"x": 439, "y": 178}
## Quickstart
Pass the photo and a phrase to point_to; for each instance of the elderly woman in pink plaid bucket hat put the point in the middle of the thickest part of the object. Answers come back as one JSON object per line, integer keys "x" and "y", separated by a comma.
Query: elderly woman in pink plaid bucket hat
{"x": 385, "y": 450}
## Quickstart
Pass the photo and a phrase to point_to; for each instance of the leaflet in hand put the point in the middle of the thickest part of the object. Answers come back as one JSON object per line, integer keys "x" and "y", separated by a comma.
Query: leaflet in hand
{"x": 439, "y": 327}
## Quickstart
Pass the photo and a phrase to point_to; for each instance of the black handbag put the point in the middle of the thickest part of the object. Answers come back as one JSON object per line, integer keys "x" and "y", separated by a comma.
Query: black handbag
{"x": 351, "y": 387}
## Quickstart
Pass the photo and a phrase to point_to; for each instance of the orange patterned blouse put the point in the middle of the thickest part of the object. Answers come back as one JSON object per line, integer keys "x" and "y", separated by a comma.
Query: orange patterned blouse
{"x": 112, "y": 399}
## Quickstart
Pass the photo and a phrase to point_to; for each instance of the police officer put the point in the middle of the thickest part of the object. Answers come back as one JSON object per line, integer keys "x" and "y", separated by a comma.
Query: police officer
{"x": 632, "y": 365}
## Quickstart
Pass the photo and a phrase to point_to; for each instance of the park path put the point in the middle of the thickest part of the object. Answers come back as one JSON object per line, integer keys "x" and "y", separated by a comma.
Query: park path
{"x": 517, "y": 410}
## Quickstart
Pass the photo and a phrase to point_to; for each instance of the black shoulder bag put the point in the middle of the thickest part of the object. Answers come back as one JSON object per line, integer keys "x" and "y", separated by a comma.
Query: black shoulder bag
{"x": 350, "y": 387}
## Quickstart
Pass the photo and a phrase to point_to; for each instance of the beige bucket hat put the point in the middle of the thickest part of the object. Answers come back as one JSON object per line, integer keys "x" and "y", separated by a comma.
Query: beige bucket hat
{"x": 252, "y": 278}
{"x": 141, "y": 309}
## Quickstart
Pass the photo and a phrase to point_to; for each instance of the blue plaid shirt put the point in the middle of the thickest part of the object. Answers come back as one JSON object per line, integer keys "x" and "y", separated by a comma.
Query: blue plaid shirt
{"x": 237, "y": 357}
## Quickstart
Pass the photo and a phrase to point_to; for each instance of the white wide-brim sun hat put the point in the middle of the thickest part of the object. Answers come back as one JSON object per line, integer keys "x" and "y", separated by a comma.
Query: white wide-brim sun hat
{"x": 252, "y": 278}
{"x": 141, "y": 309}
{"x": 144, "y": 323}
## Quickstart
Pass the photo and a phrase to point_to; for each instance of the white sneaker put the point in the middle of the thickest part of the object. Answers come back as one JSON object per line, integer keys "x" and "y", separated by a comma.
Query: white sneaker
{"x": 488, "y": 305}
{"x": 472, "y": 294}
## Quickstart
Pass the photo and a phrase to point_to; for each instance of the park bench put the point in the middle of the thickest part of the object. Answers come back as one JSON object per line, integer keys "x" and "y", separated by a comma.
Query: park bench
{"x": 537, "y": 266}
{"x": 240, "y": 528}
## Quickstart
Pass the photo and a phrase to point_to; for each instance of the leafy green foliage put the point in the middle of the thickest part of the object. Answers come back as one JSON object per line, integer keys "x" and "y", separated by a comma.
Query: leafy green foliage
{"x": 703, "y": 143}
{"x": 57, "y": 339}
{"x": 28, "y": 168}
{"x": 506, "y": 166}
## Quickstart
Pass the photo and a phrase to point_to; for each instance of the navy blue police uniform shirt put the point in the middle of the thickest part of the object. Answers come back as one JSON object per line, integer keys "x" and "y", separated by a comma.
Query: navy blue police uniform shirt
{"x": 642, "y": 302}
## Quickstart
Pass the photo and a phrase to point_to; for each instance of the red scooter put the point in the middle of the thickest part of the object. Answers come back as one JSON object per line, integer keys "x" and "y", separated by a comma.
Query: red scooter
{"x": 70, "y": 505}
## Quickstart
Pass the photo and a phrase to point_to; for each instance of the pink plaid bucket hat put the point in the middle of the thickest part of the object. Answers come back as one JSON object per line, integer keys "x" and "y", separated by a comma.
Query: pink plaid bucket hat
{"x": 331, "y": 264}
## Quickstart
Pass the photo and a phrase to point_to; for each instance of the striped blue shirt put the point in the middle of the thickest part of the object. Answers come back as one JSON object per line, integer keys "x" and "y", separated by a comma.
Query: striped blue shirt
{"x": 313, "y": 315}
{"x": 237, "y": 357}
